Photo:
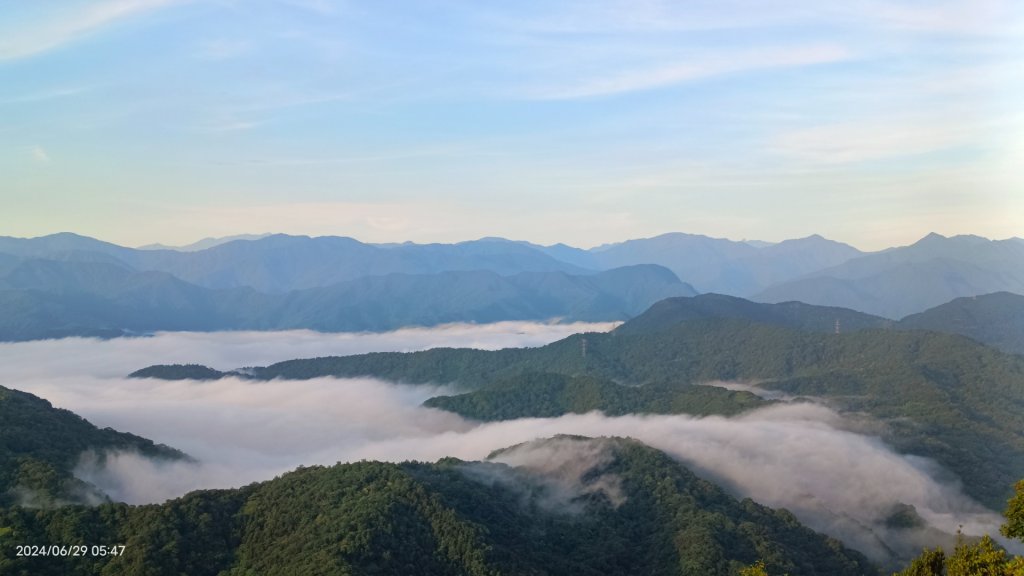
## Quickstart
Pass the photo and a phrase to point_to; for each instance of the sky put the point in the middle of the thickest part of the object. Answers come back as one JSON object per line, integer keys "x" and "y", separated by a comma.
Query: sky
{"x": 871, "y": 122}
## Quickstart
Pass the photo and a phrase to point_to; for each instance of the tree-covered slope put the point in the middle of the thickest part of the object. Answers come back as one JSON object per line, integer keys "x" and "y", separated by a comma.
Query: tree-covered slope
{"x": 994, "y": 319}
{"x": 672, "y": 311}
{"x": 944, "y": 396}
{"x": 40, "y": 446}
{"x": 609, "y": 506}
{"x": 544, "y": 394}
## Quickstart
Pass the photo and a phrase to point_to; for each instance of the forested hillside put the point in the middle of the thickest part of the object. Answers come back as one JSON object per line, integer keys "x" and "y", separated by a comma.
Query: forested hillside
{"x": 547, "y": 394}
{"x": 40, "y": 446}
{"x": 942, "y": 396}
{"x": 994, "y": 319}
{"x": 617, "y": 507}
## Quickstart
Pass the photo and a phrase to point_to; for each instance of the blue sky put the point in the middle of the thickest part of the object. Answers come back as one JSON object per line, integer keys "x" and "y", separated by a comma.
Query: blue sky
{"x": 871, "y": 122}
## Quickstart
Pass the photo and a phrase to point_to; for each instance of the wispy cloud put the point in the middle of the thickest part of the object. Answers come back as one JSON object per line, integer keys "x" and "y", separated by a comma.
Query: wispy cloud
{"x": 957, "y": 17}
{"x": 42, "y": 96}
{"x": 622, "y": 81}
{"x": 67, "y": 25}
{"x": 39, "y": 154}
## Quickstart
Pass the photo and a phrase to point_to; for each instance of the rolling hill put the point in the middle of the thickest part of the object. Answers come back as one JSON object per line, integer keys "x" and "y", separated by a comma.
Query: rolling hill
{"x": 40, "y": 446}
{"x": 994, "y": 319}
{"x": 607, "y": 506}
{"x": 942, "y": 396}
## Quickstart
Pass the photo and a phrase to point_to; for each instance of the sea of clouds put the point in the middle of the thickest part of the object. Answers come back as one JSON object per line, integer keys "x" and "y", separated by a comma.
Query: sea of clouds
{"x": 801, "y": 456}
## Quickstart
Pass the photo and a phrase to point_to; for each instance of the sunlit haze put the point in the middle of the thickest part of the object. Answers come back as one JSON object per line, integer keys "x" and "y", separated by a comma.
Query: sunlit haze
{"x": 872, "y": 123}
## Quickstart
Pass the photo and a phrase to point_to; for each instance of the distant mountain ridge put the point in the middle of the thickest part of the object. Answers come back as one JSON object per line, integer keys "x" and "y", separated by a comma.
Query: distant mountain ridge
{"x": 716, "y": 264}
{"x": 281, "y": 263}
{"x": 48, "y": 299}
{"x": 278, "y": 262}
{"x": 901, "y": 281}
{"x": 891, "y": 283}
{"x": 204, "y": 243}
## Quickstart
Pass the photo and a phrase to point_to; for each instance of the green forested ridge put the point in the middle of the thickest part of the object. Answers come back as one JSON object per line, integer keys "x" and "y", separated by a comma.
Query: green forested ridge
{"x": 994, "y": 319}
{"x": 546, "y": 394}
{"x": 944, "y": 396}
{"x": 40, "y": 446}
{"x": 449, "y": 518}
{"x": 672, "y": 311}
{"x": 179, "y": 372}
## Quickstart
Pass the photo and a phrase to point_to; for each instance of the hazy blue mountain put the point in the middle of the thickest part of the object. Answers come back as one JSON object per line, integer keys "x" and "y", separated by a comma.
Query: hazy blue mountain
{"x": 672, "y": 311}
{"x": 610, "y": 506}
{"x": 902, "y": 281}
{"x": 204, "y": 243}
{"x": 48, "y": 246}
{"x": 66, "y": 246}
{"x": 794, "y": 258}
{"x": 716, "y": 264}
{"x": 572, "y": 255}
{"x": 8, "y": 262}
{"x": 46, "y": 299}
{"x": 279, "y": 263}
{"x": 703, "y": 261}
{"x": 993, "y": 319}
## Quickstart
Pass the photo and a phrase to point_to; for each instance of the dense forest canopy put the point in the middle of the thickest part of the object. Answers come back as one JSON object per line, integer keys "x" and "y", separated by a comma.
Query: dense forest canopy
{"x": 622, "y": 508}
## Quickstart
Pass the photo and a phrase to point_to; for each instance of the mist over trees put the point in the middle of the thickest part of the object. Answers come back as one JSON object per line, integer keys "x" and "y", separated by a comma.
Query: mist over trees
{"x": 451, "y": 517}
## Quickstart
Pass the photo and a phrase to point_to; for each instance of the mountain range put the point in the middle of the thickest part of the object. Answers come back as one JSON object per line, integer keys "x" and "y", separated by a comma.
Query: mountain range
{"x": 50, "y": 298}
{"x": 902, "y": 281}
{"x": 70, "y": 285}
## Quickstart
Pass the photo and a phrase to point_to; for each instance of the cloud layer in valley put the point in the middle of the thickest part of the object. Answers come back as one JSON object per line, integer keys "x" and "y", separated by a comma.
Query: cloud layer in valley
{"x": 803, "y": 457}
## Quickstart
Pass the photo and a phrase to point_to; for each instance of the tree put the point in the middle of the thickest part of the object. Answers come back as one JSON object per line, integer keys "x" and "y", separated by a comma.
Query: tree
{"x": 756, "y": 569}
{"x": 929, "y": 563}
{"x": 982, "y": 558}
{"x": 1014, "y": 527}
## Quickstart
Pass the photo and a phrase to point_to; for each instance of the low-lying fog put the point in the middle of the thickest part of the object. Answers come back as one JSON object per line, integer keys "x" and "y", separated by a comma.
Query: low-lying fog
{"x": 799, "y": 456}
